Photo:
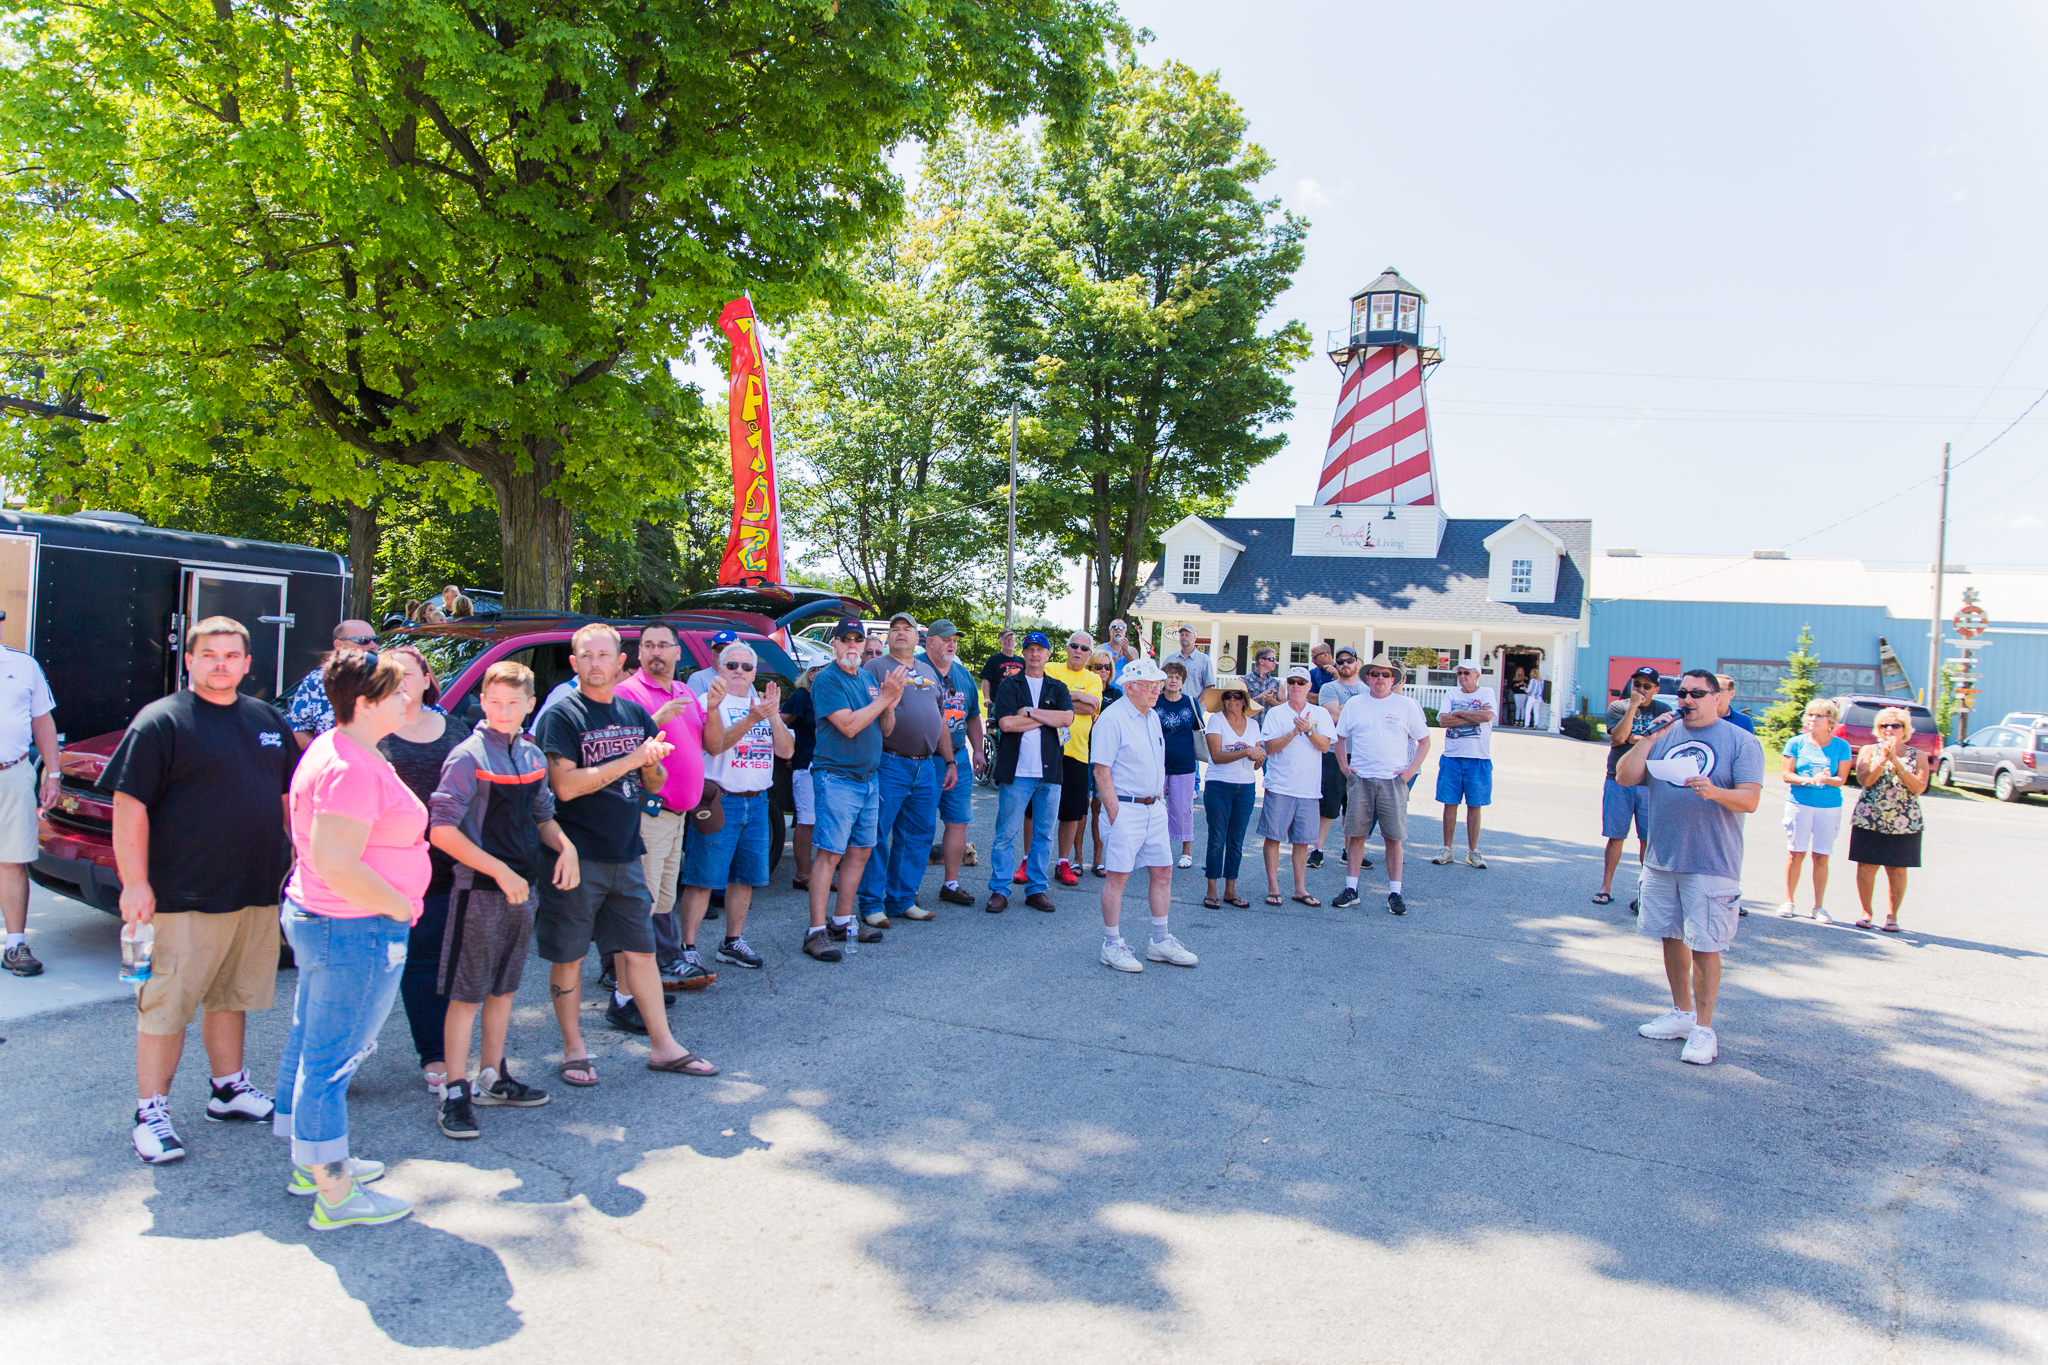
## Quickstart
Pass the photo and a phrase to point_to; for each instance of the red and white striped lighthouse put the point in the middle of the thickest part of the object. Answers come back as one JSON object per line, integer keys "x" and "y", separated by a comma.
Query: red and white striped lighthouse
{"x": 1380, "y": 443}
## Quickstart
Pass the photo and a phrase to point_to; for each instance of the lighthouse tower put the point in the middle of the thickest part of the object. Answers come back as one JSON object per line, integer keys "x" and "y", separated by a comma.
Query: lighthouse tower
{"x": 1379, "y": 443}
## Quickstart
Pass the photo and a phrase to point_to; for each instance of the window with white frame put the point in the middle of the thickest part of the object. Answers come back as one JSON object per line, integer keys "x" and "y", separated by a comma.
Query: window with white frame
{"x": 1190, "y": 570}
{"x": 1297, "y": 652}
{"x": 1521, "y": 575}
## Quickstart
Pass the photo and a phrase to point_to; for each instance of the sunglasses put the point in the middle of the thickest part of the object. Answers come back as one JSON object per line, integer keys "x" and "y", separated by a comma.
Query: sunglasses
{"x": 1694, "y": 693}
{"x": 1297, "y": 682}
{"x": 735, "y": 666}
{"x": 1891, "y": 725}
{"x": 1377, "y": 673}
{"x": 356, "y": 640}
{"x": 1101, "y": 668}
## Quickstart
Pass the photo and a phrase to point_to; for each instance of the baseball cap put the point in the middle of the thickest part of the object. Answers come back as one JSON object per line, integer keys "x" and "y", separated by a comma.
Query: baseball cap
{"x": 1468, "y": 666}
{"x": 905, "y": 616}
{"x": 1645, "y": 672}
{"x": 1342, "y": 650}
{"x": 942, "y": 628}
{"x": 1297, "y": 671}
{"x": 725, "y": 637}
{"x": 849, "y": 626}
{"x": 1143, "y": 670}
{"x": 1037, "y": 637}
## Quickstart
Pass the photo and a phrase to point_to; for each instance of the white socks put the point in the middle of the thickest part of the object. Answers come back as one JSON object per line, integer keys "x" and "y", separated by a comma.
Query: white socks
{"x": 16, "y": 940}
{"x": 1394, "y": 888}
{"x": 1351, "y": 883}
{"x": 1159, "y": 928}
{"x": 242, "y": 1075}
{"x": 621, "y": 999}
{"x": 1110, "y": 935}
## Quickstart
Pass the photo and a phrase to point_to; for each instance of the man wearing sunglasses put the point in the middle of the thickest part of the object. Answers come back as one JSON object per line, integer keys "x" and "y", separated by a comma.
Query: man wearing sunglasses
{"x": 1628, "y": 719}
{"x": 743, "y": 736}
{"x": 665, "y": 811}
{"x": 307, "y": 712}
{"x": 1373, "y": 739}
{"x": 917, "y": 764}
{"x": 1084, "y": 694}
{"x": 1297, "y": 734}
{"x": 855, "y": 712}
{"x": 1709, "y": 775}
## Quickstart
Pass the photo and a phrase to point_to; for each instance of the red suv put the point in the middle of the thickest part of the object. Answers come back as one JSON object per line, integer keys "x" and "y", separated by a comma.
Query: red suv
{"x": 77, "y": 856}
{"x": 1859, "y": 711}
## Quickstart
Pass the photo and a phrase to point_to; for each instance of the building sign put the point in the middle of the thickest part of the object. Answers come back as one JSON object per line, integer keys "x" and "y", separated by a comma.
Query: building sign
{"x": 1363, "y": 530}
{"x": 1756, "y": 681}
{"x": 1364, "y": 535}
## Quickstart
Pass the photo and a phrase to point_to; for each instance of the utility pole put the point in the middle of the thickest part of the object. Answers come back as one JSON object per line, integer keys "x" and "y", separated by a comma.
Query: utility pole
{"x": 1010, "y": 556}
{"x": 1934, "y": 614}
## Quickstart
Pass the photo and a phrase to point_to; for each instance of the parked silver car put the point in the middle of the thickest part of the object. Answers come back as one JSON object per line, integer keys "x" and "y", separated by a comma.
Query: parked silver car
{"x": 2012, "y": 760}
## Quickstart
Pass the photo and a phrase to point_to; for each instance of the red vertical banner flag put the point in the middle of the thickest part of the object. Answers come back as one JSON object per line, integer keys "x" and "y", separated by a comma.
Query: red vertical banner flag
{"x": 753, "y": 548}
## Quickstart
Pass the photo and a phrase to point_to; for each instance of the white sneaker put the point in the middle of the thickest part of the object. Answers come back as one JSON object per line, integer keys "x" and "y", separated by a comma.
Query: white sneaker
{"x": 1186, "y": 860}
{"x": 1117, "y": 954}
{"x": 155, "y": 1140}
{"x": 1442, "y": 857}
{"x": 1701, "y": 1046}
{"x": 1821, "y": 916}
{"x": 1169, "y": 949}
{"x": 1787, "y": 910}
{"x": 1670, "y": 1026}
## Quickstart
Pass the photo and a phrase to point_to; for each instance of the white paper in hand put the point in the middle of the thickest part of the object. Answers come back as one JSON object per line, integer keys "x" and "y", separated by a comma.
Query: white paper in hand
{"x": 1676, "y": 771}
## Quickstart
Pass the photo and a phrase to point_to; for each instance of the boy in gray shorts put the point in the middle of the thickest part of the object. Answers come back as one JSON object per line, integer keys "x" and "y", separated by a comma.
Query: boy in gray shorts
{"x": 492, "y": 813}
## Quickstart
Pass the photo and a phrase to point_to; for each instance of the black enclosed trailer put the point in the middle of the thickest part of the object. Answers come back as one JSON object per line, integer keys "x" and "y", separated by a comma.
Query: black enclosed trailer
{"x": 102, "y": 602}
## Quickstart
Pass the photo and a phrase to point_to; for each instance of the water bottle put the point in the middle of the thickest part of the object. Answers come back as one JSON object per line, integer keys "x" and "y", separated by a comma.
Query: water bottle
{"x": 138, "y": 941}
{"x": 853, "y": 935}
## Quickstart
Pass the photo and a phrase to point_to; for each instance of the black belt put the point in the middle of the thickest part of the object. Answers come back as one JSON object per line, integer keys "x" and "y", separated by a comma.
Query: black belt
{"x": 1139, "y": 800}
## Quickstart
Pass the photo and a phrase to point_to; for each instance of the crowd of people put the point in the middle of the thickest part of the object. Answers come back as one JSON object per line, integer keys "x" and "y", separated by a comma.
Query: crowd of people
{"x": 422, "y": 860}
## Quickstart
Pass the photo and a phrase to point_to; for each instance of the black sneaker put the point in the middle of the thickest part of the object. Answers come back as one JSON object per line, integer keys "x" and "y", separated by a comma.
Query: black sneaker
{"x": 457, "y": 1119}
{"x": 497, "y": 1087}
{"x": 736, "y": 951}
{"x": 1635, "y": 907}
{"x": 625, "y": 1018}
{"x": 819, "y": 946}
{"x": 239, "y": 1102}
{"x": 1315, "y": 858}
{"x": 695, "y": 975}
{"x": 1345, "y": 899}
{"x": 1365, "y": 864}
{"x": 22, "y": 962}
{"x": 607, "y": 979}
{"x": 1395, "y": 905}
{"x": 867, "y": 935}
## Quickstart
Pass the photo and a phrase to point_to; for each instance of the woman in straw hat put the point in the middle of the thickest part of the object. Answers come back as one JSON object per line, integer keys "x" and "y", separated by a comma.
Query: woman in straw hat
{"x": 1236, "y": 753}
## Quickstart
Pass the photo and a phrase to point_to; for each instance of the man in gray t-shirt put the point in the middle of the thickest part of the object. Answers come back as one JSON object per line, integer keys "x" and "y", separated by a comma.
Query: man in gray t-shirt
{"x": 1703, "y": 775}
{"x": 1331, "y": 696}
{"x": 917, "y": 761}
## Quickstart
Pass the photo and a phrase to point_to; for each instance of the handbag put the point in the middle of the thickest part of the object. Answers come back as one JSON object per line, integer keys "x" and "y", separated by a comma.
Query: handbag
{"x": 709, "y": 815}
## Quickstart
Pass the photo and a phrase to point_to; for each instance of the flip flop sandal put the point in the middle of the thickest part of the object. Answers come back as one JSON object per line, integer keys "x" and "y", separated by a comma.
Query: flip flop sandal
{"x": 1307, "y": 900}
{"x": 1865, "y": 924}
{"x": 1240, "y": 902}
{"x": 1890, "y": 928}
{"x": 1274, "y": 899}
{"x": 1602, "y": 898}
{"x": 800, "y": 883}
{"x": 1211, "y": 903}
{"x": 586, "y": 1065}
{"x": 689, "y": 1064}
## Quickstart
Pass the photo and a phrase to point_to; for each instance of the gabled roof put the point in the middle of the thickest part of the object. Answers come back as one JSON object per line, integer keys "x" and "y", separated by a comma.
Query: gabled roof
{"x": 1556, "y": 540}
{"x": 1205, "y": 525}
{"x": 1269, "y": 579}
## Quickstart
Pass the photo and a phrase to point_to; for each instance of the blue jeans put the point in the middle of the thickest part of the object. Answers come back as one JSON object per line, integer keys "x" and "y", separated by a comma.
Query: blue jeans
{"x": 903, "y": 836}
{"x": 426, "y": 1009}
{"x": 349, "y": 971}
{"x": 1229, "y": 808}
{"x": 1042, "y": 800}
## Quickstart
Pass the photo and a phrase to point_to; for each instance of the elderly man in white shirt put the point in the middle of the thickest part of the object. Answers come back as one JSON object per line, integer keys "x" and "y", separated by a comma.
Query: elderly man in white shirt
{"x": 1201, "y": 671}
{"x": 1127, "y": 751}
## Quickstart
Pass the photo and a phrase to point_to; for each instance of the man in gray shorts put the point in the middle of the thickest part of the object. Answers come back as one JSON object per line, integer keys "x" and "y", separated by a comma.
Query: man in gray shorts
{"x": 1297, "y": 733}
{"x": 1373, "y": 736}
{"x": 1692, "y": 880}
{"x": 602, "y": 752}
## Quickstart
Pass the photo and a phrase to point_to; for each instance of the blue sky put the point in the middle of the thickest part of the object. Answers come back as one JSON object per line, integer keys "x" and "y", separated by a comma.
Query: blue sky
{"x": 1714, "y": 277}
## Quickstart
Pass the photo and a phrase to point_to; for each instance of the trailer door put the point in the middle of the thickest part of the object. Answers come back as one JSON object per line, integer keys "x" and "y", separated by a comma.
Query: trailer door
{"x": 18, "y": 589}
{"x": 258, "y": 601}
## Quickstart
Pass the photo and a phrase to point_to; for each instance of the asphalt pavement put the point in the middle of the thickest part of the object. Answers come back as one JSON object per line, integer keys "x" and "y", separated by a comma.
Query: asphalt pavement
{"x": 1343, "y": 1137}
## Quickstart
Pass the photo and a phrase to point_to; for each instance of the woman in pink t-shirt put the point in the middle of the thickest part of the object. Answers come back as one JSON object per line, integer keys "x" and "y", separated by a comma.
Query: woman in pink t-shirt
{"x": 349, "y": 905}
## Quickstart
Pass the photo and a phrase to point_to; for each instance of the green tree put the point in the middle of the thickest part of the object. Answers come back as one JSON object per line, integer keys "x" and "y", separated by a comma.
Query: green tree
{"x": 1127, "y": 271}
{"x": 380, "y": 235}
{"x": 1801, "y": 684}
{"x": 895, "y": 439}
{"x": 1945, "y": 704}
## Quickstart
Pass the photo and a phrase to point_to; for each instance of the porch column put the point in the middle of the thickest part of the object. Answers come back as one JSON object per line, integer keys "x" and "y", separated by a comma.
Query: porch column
{"x": 1554, "y": 672}
{"x": 1367, "y": 645}
{"x": 1478, "y": 651}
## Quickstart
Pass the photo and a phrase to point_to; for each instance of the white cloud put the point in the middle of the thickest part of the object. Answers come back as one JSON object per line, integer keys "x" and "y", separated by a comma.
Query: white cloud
{"x": 2025, "y": 521}
{"x": 1310, "y": 194}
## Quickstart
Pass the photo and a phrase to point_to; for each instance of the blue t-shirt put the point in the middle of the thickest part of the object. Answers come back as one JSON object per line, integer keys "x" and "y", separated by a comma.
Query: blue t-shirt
{"x": 802, "y": 719}
{"x": 1740, "y": 721}
{"x": 834, "y": 689}
{"x": 1817, "y": 760}
{"x": 959, "y": 701}
{"x": 1179, "y": 721}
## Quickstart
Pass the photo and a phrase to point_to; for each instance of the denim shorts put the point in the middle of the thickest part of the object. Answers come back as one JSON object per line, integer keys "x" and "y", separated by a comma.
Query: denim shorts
{"x": 1619, "y": 805}
{"x": 738, "y": 852}
{"x": 848, "y": 810}
{"x": 1464, "y": 781}
{"x": 956, "y": 807}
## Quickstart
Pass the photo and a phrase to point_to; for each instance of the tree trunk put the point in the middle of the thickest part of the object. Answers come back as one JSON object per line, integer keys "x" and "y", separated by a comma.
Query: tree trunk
{"x": 365, "y": 533}
{"x": 536, "y": 530}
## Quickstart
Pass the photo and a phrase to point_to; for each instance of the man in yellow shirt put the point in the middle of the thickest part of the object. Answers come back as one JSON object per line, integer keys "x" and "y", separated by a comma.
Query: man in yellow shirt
{"x": 1085, "y": 688}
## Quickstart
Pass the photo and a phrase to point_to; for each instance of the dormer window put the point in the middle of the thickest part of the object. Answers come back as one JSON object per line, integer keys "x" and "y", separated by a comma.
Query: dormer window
{"x": 1190, "y": 571}
{"x": 1521, "y": 576}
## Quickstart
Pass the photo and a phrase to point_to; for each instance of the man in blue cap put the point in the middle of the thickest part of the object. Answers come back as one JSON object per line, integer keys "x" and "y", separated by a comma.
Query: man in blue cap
{"x": 1032, "y": 713}
{"x": 700, "y": 681}
{"x": 856, "y": 711}
{"x": 917, "y": 763}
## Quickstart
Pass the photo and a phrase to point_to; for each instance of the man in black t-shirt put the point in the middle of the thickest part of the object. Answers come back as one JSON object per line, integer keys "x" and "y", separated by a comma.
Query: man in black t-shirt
{"x": 603, "y": 752}
{"x": 199, "y": 784}
{"x": 1634, "y": 714}
{"x": 1004, "y": 663}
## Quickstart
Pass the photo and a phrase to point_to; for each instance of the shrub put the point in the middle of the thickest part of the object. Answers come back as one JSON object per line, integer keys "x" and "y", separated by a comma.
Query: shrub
{"x": 1580, "y": 727}
{"x": 1429, "y": 717}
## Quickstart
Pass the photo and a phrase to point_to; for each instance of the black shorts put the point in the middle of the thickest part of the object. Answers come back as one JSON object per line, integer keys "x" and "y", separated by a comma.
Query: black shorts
{"x": 610, "y": 905}
{"x": 1335, "y": 787}
{"x": 1073, "y": 788}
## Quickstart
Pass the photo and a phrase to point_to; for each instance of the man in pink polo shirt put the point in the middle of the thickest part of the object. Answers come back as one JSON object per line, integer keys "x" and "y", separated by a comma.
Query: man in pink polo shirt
{"x": 666, "y": 813}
